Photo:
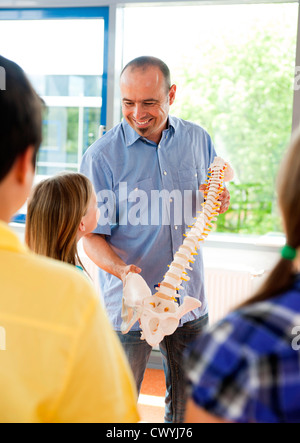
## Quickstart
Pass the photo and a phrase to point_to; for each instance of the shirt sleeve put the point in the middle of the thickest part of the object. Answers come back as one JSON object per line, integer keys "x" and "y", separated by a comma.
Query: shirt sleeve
{"x": 203, "y": 150}
{"x": 210, "y": 149}
{"x": 218, "y": 374}
{"x": 99, "y": 387}
{"x": 94, "y": 167}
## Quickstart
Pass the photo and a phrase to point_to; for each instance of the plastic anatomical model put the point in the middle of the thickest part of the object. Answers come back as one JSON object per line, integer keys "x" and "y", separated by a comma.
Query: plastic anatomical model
{"x": 159, "y": 314}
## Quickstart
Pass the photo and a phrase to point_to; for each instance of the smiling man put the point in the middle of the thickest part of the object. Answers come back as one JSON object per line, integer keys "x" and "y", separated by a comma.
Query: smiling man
{"x": 146, "y": 99}
{"x": 149, "y": 151}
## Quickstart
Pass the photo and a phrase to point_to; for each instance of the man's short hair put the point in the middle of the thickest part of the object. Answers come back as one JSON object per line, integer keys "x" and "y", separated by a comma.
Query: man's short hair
{"x": 20, "y": 117}
{"x": 145, "y": 61}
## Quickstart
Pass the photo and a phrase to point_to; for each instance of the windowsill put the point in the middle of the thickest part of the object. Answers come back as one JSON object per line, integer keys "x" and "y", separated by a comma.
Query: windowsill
{"x": 268, "y": 242}
{"x": 271, "y": 242}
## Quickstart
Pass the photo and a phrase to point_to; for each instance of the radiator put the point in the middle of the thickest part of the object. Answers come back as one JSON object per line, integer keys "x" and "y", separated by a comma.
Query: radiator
{"x": 225, "y": 289}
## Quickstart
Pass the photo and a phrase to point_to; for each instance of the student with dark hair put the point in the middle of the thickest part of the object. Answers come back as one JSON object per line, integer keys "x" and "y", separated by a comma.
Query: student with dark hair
{"x": 246, "y": 368}
{"x": 60, "y": 362}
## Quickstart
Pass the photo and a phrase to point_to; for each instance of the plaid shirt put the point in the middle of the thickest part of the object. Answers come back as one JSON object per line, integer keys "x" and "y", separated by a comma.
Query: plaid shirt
{"x": 246, "y": 368}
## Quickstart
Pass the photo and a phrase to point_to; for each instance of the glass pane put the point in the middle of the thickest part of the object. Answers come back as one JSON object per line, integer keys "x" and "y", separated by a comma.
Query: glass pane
{"x": 234, "y": 69}
{"x": 66, "y": 70}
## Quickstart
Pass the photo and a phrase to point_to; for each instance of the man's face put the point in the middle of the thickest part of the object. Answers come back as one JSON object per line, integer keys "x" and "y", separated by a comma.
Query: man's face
{"x": 146, "y": 101}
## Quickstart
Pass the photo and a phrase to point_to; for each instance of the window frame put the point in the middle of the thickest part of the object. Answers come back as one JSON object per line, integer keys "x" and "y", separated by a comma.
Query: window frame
{"x": 67, "y": 13}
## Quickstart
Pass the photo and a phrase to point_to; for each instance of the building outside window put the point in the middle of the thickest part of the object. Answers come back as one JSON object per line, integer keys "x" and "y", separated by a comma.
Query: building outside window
{"x": 64, "y": 59}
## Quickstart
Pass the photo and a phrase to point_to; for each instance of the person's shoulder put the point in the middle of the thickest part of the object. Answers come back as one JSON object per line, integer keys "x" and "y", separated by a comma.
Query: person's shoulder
{"x": 181, "y": 124}
{"x": 290, "y": 299}
{"x": 61, "y": 282}
{"x": 282, "y": 308}
{"x": 266, "y": 326}
{"x": 110, "y": 140}
{"x": 232, "y": 331}
{"x": 46, "y": 292}
{"x": 190, "y": 129}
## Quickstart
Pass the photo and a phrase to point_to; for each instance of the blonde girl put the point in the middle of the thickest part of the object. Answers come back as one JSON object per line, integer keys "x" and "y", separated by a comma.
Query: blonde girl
{"x": 61, "y": 210}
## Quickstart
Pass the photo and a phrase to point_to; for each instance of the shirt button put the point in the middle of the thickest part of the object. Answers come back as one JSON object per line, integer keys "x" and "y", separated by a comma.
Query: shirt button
{"x": 159, "y": 146}
{"x": 165, "y": 173}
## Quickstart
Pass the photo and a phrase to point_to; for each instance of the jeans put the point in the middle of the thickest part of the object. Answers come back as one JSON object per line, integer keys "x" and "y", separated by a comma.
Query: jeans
{"x": 172, "y": 348}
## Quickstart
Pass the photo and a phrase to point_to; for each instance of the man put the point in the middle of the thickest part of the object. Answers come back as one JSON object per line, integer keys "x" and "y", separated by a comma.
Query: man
{"x": 149, "y": 151}
{"x": 60, "y": 361}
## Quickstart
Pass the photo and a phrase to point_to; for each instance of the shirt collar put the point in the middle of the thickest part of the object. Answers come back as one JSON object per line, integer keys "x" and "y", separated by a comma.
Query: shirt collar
{"x": 172, "y": 124}
{"x": 9, "y": 241}
{"x": 131, "y": 136}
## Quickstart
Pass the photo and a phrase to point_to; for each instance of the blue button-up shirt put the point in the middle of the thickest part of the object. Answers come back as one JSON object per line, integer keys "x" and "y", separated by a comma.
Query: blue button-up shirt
{"x": 148, "y": 195}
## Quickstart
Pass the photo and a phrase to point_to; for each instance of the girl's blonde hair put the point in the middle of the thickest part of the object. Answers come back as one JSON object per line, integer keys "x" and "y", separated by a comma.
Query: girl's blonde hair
{"x": 288, "y": 187}
{"x": 54, "y": 213}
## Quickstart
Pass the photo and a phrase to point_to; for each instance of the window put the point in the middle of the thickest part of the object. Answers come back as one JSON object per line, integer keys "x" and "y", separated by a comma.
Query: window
{"x": 234, "y": 68}
{"x": 64, "y": 53}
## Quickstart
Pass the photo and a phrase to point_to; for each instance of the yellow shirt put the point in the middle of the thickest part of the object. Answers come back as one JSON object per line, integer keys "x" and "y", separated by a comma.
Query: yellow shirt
{"x": 60, "y": 361}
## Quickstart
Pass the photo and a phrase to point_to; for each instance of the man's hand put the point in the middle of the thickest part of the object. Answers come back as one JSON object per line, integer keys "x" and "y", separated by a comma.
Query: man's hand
{"x": 224, "y": 198}
{"x": 124, "y": 270}
{"x": 102, "y": 254}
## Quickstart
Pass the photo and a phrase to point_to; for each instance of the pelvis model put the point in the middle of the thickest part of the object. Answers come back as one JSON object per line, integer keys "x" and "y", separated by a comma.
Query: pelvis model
{"x": 159, "y": 314}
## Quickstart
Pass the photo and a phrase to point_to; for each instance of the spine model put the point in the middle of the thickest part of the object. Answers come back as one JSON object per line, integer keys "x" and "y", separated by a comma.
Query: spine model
{"x": 159, "y": 314}
{"x": 219, "y": 172}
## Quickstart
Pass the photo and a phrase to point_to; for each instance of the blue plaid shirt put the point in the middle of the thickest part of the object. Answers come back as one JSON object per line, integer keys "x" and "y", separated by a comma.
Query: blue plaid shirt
{"x": 129, "y": 166}
{"x": 246, "y": 368}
